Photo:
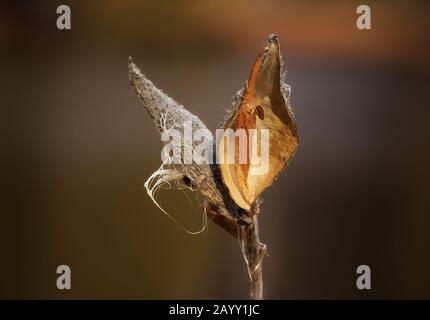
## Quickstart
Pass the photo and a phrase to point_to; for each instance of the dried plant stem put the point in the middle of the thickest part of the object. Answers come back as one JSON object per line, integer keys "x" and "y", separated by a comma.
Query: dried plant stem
{"x": 253, "y": 252}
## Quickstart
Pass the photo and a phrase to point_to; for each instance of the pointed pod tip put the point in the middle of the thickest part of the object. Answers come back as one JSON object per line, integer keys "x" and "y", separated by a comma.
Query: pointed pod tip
{"x": 130, "y": 62}
{"x": 272, "y": 43}
{"x": 132, "y": 68}
{"x": 273, "y": 37}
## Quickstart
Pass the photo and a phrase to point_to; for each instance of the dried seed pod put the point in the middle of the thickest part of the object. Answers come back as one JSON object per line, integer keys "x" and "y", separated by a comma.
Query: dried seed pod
{"x": 263, "y": 104}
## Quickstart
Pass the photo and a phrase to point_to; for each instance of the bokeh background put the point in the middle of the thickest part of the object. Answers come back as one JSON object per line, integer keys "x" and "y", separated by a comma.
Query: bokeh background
{"x": 77, "y": 148}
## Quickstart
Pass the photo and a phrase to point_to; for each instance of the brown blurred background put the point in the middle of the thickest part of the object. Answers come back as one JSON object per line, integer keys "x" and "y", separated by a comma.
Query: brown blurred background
{"x": 77, "y": 148}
